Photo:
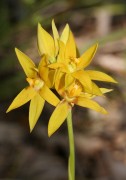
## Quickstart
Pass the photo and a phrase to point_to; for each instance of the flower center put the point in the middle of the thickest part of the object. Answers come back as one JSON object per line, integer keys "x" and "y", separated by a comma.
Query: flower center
{"x": 72, "y": 65}
{"x": 69, "y": 99}
{"x": 72, "y": 93}
{"x": 36, "y": 83}
{"x": 74, "y": 89}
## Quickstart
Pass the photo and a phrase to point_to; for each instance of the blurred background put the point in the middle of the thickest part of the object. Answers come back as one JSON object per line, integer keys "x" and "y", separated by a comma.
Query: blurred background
{"x": 100, "y": 140}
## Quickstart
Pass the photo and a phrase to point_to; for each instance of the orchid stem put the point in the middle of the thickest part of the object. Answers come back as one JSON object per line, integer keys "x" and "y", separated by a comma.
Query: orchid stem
{"x": 71, "y": 162}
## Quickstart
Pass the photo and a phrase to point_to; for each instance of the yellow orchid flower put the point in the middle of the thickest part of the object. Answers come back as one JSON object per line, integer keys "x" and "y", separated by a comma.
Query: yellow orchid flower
{"x": 49, "y": 46}
{"x": 37, "y": 91}
{"x": 73, "y": 95}
{"x": 74, "y": 67}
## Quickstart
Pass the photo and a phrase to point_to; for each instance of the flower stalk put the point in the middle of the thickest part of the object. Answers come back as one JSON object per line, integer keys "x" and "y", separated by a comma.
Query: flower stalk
{"x": 71, "y": 162}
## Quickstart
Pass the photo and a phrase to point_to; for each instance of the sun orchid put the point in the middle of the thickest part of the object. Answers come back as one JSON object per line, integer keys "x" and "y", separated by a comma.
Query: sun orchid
{"x": 37, "y": 91}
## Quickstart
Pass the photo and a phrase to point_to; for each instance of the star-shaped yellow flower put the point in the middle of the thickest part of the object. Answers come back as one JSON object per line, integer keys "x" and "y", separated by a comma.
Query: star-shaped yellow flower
{"x": 73, "y": 95}
{"x": 49, "y": 46}
{"x": 37, "y": 91}
{"x": 74, "y": 67}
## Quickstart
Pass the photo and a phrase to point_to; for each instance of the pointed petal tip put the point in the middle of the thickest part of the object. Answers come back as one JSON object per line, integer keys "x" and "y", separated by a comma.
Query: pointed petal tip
{"x": 53, "y": 21}
{"x": 67, "y": 25}
{"x": 49, "y": 134}
{"x": 114, "y": 81}
{"x": 105, "y": 90}
{"x": 8, "y": 110}
{"x": 97, "y": 44}
{"x": 39, "y": 24}
{"x": 103, "y": 111}
{"x": 111, "y": 89}
{"x": 31, "y": 130}
{"x": 16, "y": 49}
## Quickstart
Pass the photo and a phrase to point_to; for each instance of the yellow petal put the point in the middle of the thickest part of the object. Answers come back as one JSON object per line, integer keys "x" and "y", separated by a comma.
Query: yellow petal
{"x": 49, "y": 96}
{"x": 26, "y": 63}
{"x": 96, "y": 90}
{"x": 58, "y": 117}
{"x": 51, "y": 78}
{"x": 84, "y": 79}
{"x": 105, "y": 90}
{"x": 100, "y": 76}
{"x": 96, "y": 93}
{"x": 70, "y": 47}
{"x": 43, "y": 62}
{"x": 23, "y": 97}
{"x": 44, "y": 73}
{"x": 61, "y": 55}
{"x": 69, "y": 79}
{"x": 87, "y": 57}
{"x": 45, "y": 42}
{"x": 36, "y": 107}
{"x": 55, "y": 31}
{"x": 88, "y": 103}
{"x": 56, "y": 37}
{"x": 65, "y": 34}
{"x": 59, "y": 81}
{"x": 43, "y": 69}
{"x": 55, "y": 65}
{"x": 87, "y": 95}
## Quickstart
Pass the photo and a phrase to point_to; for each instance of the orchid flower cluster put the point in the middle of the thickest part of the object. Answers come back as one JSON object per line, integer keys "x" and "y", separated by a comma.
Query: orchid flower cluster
{"x": 63, "y": 69}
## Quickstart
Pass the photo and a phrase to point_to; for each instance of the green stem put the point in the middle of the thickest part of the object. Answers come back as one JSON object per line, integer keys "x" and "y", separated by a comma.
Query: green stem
{"x": 71, "y": 163}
